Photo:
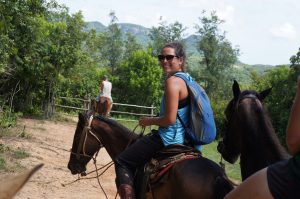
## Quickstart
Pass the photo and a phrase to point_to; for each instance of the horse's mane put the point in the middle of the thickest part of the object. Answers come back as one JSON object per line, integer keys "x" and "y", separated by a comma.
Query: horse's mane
{"x": 260, "y": 126}
{"x": 113, "y": 123}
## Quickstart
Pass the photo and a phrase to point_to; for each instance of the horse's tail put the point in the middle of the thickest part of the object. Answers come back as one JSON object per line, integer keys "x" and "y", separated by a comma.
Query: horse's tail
{"x": 222, "y": 186}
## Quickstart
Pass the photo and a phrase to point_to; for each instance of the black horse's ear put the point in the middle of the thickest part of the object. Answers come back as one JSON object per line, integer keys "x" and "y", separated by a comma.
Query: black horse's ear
{"x": 264, "y": 93}
{"x": 236, "y": 89}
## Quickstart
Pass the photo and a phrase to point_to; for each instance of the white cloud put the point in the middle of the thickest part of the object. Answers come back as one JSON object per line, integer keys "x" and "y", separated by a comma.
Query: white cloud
{"x": 192, "y": 3}
{"x": 286, "y": 31}
{"x": 226, "y": 13}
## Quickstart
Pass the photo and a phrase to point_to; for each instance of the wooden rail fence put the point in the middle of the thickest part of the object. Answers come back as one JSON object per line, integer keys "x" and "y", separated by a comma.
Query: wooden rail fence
{"x": 87, "y": 105}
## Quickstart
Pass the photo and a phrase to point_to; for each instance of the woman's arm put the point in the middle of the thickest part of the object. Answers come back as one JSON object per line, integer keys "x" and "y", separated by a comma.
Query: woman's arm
{"x": 174, "y": 87}
{"x": 293, "y": 128}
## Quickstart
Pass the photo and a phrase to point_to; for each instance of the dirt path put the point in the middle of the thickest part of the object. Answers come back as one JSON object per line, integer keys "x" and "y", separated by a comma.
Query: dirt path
{"x": 47, "y": 145}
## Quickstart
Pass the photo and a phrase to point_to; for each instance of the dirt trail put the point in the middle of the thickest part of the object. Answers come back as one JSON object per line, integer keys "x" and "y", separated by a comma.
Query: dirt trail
{"x": 48, "y": 144}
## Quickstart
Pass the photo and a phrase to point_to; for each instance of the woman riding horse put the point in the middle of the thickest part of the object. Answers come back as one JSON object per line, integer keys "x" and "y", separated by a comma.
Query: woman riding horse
{"x": 171, "y": 131}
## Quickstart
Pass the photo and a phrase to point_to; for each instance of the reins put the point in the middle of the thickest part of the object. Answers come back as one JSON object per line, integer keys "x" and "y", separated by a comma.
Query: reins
{"x": 221, "y": 163}
{"x": 141, "y": 134}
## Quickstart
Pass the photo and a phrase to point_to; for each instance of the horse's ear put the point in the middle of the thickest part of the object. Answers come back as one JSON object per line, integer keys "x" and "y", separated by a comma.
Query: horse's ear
{"x": 264, "y": 93}
{"x": 236, "y": 89}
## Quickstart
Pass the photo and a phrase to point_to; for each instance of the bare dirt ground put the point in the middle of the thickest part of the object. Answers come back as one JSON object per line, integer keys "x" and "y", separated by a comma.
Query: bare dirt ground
{"x": 47, "y": 144}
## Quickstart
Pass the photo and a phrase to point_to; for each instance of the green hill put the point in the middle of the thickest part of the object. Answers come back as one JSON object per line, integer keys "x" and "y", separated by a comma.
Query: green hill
{"x": 99, "y": 27}
{"x": 140, "y": 32}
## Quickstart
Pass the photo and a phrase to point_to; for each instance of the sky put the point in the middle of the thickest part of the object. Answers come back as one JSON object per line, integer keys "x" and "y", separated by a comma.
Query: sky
{"x": 265, "y": 31}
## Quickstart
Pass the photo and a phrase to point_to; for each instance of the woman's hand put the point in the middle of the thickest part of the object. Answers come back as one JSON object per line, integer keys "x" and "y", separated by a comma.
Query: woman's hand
{"x": 144, "y": 121}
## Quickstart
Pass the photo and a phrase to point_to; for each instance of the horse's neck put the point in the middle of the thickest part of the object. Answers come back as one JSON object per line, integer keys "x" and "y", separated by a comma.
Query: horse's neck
{"x": 114, "y": 140}
{"x": 260, "y": 144}
{"x": 258, "y": 130}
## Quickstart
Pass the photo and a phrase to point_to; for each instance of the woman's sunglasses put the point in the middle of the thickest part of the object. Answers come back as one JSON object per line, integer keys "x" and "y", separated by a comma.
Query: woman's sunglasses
{"x": 167, "y": 57}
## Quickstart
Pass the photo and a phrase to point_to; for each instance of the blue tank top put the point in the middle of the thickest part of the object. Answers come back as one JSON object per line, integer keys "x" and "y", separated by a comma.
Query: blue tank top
{"x": 174, "y": 134}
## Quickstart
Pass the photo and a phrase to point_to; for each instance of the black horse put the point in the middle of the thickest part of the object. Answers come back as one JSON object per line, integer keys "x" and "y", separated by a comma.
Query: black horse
{"x": 249, "y": 133}
{"x": 198, "y": 178}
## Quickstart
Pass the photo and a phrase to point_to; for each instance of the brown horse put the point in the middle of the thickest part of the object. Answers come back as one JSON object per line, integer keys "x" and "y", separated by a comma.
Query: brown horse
{"x": 101, "y": 107}
{"x": 198, "y": 178}
{"x": 249, "y": 133}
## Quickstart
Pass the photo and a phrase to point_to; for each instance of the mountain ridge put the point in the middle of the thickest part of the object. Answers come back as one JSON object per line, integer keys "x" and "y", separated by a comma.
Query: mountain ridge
{"x": 141, "y": 34}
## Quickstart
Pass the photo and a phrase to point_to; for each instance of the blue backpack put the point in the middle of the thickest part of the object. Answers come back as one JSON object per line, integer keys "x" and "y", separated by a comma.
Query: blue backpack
{"x": 202, "y": 128}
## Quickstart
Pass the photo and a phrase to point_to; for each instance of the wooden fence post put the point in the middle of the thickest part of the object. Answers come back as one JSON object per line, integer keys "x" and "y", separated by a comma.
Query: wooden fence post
{"x": 87, "y": 102}
{"x": 152, "y": 110}
{"x": 53, "y": 106}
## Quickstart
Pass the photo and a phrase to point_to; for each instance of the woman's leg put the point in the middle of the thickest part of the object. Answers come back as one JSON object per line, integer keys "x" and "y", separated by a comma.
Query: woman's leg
{"x": 254, "y": 187}
{"x": 109, "y": 107}
{"x": 134, "y": 156}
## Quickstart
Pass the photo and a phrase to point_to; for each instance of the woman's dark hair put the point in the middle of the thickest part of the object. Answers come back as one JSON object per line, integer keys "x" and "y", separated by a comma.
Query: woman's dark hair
{"x": 179, "y": 51}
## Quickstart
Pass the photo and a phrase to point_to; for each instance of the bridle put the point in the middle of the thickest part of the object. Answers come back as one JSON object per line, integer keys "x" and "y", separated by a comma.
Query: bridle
{"x": 247, "y": 96}
{"x": 81, "y": 146}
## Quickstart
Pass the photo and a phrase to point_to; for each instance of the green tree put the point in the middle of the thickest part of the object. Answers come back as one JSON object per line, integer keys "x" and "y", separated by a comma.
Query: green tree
{"x": 282, "y": 79}
{"x": 91, "y": 47}
{"x": 20, "y": 33}
{"x": 112, "y": 44}
{"x": 45, "y": 44}
{"x": 279, "y": 101}
{"x": 164, "y": 34}
{"x": 139, "y": 80}
{"x": 295, "y": 63}
{"x": 131, "y": 45}
{"x": 217, "y": 52}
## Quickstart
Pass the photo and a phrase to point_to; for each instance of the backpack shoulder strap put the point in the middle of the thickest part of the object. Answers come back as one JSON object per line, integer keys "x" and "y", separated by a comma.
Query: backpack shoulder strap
{"x": 182, "y": 76}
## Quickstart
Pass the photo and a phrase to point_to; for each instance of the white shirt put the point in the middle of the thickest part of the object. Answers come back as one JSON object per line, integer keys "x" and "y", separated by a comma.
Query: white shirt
{"x": 106, "y": 90}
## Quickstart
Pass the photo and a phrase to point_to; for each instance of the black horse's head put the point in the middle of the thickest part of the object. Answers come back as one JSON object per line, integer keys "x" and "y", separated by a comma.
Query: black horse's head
{"x": 84, "y": 146}
{"x": 241, "y": 104}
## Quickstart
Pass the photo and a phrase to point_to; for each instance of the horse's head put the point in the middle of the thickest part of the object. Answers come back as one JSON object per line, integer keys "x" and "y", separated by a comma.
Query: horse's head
{"x": 237, "y": 109}
{"x": 85, "y": 145}
{"x": 91, "y": 134}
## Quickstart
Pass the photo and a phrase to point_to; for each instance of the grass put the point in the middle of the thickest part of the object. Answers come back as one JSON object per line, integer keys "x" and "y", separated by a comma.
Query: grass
{"x": 2, "y": 163}
{"x": 20, "y": 154}
{"x": 64, "y": 117}
{"x": 9, "y": 158}
{"x": 232, "y": 170}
